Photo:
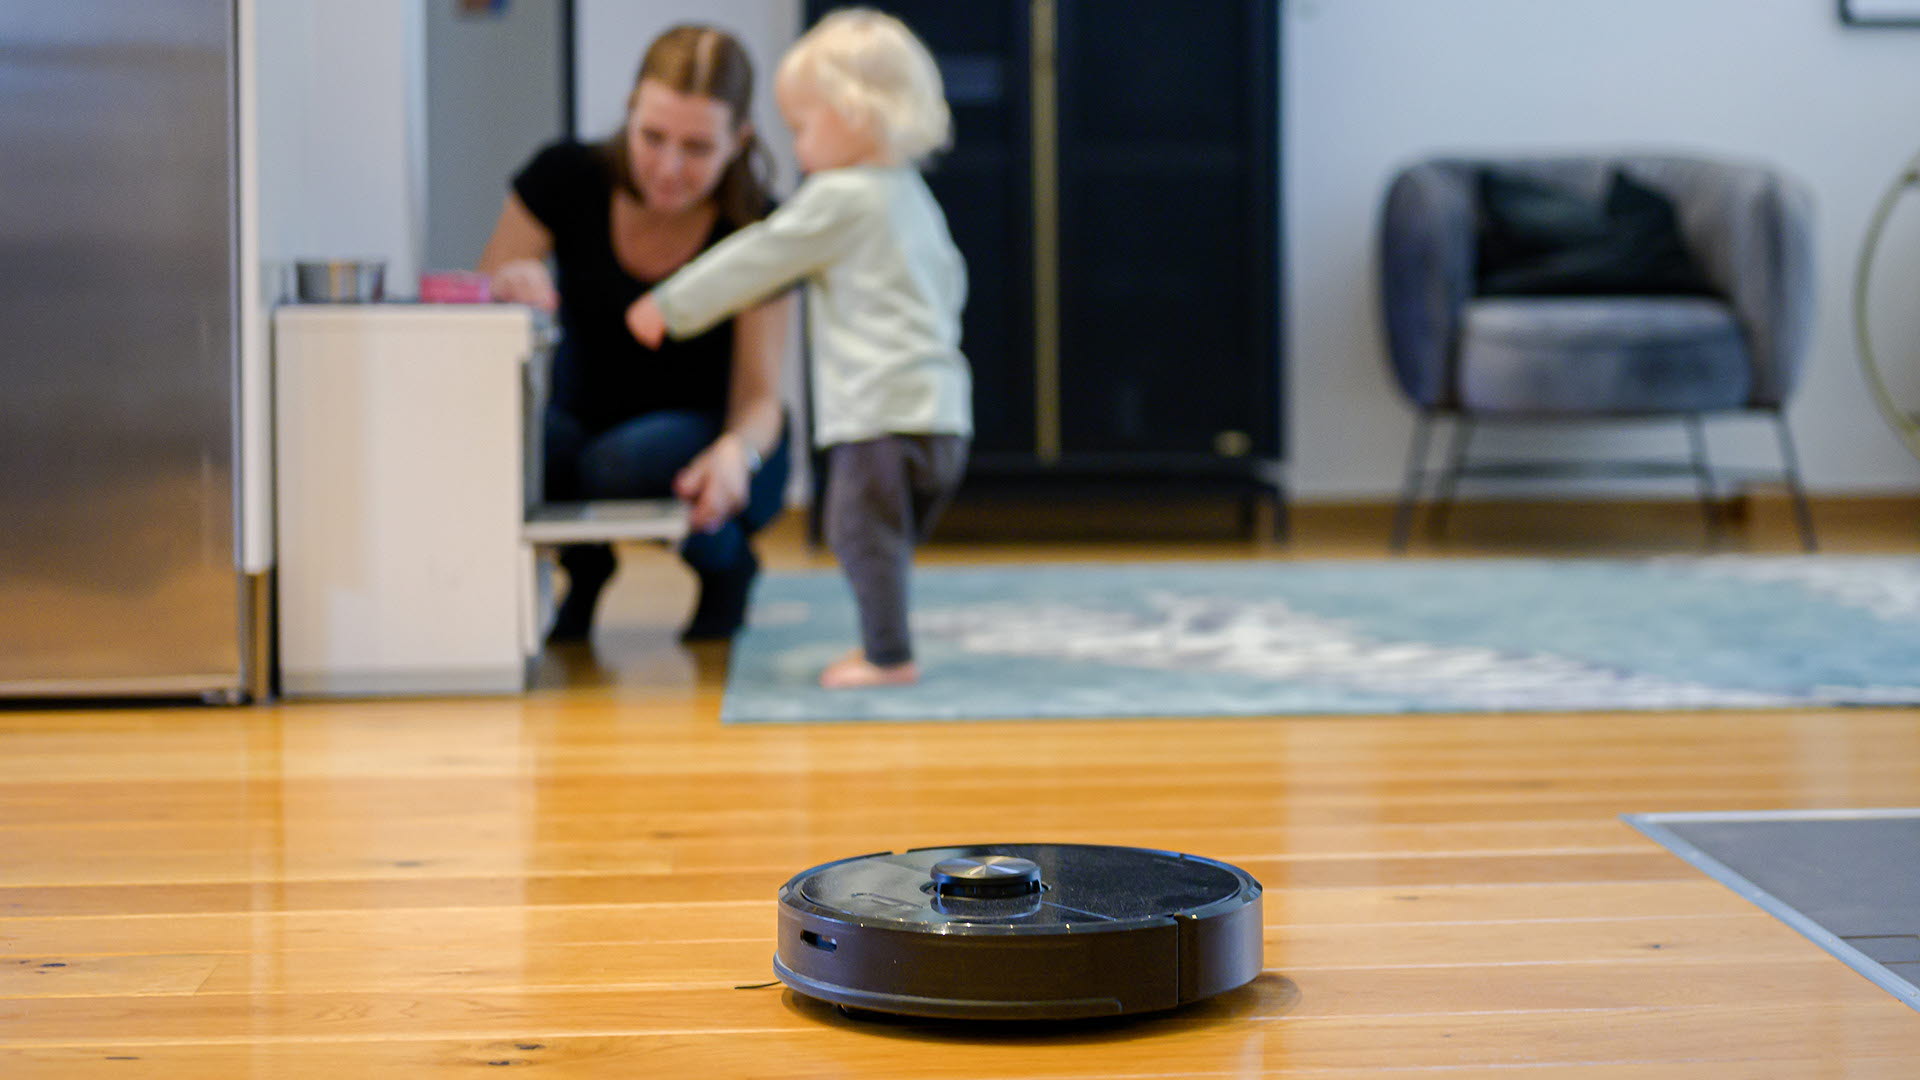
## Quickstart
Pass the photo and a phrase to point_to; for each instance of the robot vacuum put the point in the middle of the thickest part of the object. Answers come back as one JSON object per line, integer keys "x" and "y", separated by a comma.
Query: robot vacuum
{"x": 1018, "y": 931}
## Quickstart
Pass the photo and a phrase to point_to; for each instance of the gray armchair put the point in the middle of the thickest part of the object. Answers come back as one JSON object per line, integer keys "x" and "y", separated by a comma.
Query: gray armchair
{"x": 1463, "y": 357}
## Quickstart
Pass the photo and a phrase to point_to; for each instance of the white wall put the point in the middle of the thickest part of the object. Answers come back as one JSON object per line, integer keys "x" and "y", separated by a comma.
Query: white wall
{"x": 341, "y": 86}
{"x": 494, "y": 94}
{"x": 1373, "y": 84}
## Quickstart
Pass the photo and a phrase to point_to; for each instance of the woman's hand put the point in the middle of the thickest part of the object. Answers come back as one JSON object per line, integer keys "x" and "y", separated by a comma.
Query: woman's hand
{"x": 714, "y": 485}
{"x": 525, "y": 281}
{"x": 649, "y": 327}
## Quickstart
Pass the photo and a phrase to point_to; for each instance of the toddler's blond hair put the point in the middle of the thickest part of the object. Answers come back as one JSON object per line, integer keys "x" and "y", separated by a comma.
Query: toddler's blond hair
{"x": 875, "y": 73}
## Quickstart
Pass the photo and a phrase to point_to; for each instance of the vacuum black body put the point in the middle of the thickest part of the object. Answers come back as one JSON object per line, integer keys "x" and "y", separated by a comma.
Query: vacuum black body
{"x": 1019, "y": 931}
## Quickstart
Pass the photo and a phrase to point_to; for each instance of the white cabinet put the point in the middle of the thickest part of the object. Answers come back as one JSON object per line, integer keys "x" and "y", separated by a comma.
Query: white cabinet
{"x": 398, "y": 448}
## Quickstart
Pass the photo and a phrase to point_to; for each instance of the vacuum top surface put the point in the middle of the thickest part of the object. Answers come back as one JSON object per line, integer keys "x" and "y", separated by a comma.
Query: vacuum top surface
{"x": 1019, "y": 889}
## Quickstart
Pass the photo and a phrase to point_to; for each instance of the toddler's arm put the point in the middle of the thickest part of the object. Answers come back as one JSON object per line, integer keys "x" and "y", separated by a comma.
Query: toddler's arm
{"x": 810, "y": 231}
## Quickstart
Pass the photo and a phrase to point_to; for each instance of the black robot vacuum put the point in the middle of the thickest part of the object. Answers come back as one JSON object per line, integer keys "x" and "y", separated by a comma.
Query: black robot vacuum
{"x": 1018, "y": 931}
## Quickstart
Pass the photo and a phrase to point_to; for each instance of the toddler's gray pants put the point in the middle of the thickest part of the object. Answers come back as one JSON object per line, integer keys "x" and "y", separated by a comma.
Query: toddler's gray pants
{"x": 883, "y": 497}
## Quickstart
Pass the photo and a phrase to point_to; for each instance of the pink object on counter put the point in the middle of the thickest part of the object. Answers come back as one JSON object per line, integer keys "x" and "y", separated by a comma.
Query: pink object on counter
{"x": 454, "y": 287}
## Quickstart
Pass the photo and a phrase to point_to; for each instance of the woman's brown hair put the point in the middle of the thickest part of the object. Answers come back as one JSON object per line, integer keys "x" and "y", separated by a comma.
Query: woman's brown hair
{"x": 710, "y": 63}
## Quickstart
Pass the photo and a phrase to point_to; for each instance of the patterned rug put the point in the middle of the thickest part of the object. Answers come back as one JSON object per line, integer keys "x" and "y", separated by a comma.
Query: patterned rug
{"x": 1253, "y": 639}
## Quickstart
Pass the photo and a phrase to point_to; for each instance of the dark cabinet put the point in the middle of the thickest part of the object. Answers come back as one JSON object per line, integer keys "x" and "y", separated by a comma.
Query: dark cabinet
{"x": 1114, "y": 186}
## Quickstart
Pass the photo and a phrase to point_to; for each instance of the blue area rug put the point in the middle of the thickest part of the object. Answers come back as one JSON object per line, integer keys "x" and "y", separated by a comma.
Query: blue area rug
{"x": 1251, "y": 639}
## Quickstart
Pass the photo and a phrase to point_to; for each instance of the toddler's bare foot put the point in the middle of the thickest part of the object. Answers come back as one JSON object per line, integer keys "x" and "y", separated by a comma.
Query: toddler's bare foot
{"x": 854, "y": 670}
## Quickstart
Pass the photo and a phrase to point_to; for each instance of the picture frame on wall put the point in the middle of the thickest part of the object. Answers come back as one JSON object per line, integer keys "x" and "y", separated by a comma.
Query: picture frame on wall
{"x": 1880, "y": 12}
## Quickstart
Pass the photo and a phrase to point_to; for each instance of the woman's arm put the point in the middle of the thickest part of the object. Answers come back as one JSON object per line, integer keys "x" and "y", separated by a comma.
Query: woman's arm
{"x": 715, "y": 483}
{"x": 514, "y": 258}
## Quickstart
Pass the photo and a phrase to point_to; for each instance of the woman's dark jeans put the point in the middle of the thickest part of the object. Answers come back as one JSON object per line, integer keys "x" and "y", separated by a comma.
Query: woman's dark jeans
{"x": 638, "y": 459}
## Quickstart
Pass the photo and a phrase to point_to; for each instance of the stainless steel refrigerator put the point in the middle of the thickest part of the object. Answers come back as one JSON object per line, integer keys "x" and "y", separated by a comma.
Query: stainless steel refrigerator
{"x": 120, "y": 368}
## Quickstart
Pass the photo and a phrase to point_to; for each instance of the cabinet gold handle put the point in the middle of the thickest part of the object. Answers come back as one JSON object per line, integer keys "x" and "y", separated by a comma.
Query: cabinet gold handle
{"x": 1232, "y": 444}
{"x": 1043, "y": 61}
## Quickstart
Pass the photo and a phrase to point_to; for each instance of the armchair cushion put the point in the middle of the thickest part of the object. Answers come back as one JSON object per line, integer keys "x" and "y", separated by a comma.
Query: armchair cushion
{"x": 1539, "y": 238}
{"x": 1749, "y": 229}
{"x": 1624, "y": 355}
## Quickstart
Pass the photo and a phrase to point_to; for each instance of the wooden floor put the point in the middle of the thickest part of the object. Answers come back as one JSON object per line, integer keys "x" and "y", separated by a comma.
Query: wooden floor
{"x": 577, "y": 881}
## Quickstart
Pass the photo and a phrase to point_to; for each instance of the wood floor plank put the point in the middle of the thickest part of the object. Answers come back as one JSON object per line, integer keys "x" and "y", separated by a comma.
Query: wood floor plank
{"x": 657, "y": 948}
{"x": 1065, "y": 805}
{"x": 158, "y": 855}
{"x": 596, "y": 1057}
{"x": 67, "y": 975}
{"x": 388, "y": 928}
{"x": 1317, "y": 743}
{"x": 766, "y": 1041}
{"x": 702, "y": 1005}
{"x": 584, "y": 836}
{"x": 667, "y": 885}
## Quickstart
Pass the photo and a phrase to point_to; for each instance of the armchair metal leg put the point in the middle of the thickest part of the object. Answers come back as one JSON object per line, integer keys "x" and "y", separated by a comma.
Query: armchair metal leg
{"x": 1450, "y": 477}
{"x": 1416, "y": 480}
{"x": 1790, "y": 462}
{"x": 1703, "y": 474}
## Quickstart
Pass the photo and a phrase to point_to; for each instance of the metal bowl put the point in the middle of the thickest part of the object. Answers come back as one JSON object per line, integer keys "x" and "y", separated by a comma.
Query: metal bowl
{"x": 340, "y": 281}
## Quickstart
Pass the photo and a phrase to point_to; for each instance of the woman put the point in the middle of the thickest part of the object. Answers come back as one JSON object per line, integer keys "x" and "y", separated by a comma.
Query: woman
{"x": 700, "y": 418}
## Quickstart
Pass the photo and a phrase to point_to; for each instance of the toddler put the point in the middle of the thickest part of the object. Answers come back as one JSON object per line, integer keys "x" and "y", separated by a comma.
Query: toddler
{"x": 891, "y": 391}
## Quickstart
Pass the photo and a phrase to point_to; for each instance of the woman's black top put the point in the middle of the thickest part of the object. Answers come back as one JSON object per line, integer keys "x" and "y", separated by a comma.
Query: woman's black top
{"x": 600, "y": 373}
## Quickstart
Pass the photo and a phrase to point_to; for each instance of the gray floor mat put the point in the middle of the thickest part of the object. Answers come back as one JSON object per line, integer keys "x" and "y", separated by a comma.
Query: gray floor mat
{"x": 1847, "y": 879}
